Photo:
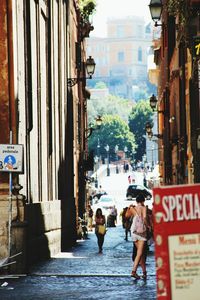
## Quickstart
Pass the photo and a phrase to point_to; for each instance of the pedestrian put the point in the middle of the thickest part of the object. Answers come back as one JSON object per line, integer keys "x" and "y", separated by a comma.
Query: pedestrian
{"x": 150, "y": 240}
{"x": 129, "y": 179}
{"x": 100, "y": 229}
{"x": 113, "y": 215}
{"x": 126, "y": 223}
{"x": 145, "y": 180}
{"x": 90, "y": 218}
{"x": 139, "y": 234}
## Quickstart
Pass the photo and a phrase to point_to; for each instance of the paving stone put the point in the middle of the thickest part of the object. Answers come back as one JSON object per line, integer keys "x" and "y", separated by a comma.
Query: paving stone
{"x": 82, "y": 273}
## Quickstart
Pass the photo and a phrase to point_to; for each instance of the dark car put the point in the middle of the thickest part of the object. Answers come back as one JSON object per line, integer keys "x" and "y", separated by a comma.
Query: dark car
{"x": 135, "y": 189}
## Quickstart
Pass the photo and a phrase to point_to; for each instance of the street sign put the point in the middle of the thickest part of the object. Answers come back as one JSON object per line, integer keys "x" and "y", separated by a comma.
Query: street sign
{"x": 177, "y": 241}
{"x": 11, "y": 158}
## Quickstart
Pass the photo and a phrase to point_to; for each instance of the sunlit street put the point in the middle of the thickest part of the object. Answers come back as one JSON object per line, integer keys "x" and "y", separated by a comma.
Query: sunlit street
{"x": 99, "y": 149}
{"x": 117, "y": 184}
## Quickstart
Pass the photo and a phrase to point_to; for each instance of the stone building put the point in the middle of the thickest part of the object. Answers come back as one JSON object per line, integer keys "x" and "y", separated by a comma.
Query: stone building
{"x": 121, "y": 57}
{"x": 41, "y": 48}
{"x": 177, "y": 58}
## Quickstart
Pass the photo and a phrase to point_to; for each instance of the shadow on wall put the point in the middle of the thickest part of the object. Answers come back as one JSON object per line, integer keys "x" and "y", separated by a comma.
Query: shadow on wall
{"x": 66, "y": 184}
{"x": 37, "y": 243}
{"x": 68, "y": 210}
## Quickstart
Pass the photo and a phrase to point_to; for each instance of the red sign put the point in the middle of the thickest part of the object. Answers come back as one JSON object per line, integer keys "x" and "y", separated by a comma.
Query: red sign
{"x": 177, "y": 241}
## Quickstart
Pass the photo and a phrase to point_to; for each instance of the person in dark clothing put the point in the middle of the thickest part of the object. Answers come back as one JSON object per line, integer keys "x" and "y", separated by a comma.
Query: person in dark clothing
{"x": 99, "y": 220}
{"x": 126, "y": 223}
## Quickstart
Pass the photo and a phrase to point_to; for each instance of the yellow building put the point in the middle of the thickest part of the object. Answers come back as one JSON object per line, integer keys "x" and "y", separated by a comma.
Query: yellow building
{"x": 121, "y": 57}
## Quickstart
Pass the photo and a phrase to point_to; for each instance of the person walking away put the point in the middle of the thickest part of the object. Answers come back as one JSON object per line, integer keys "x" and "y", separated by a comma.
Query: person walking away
{"x": 113, "y": 213}
{"x": 139, "y": 234}
{"x": 126, "y": 223}
{"x": 90, "y": 218}
{"x": 150, "y": 239}
{"x": 116, "y": 213}
{"x": 99, "y": 225}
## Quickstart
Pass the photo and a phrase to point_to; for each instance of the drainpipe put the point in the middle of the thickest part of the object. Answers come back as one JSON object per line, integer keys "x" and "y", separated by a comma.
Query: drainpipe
{"x": 12, "y": 108}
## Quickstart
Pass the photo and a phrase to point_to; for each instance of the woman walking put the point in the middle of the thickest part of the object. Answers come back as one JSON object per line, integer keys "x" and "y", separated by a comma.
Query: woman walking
{"x": 100, "y": 228}
{"x": 139, "y": 234}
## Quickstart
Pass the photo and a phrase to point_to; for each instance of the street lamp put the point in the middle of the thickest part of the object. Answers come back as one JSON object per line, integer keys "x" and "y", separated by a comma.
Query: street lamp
{"x": 97, "y": 126}
{"x": 125, "y": 150}
{"x": 153, "y": 103}
{"x": 116, "y": 150}
{"x": 152, "y": 162}
{"x": 90, "y": 67}
{"x": 148, "y": 128}
{"x": 98, "y": 153}
{"x": 107, "y": 150}
{"x": 96, "y": 159}
{"x": 144, "y": 159}
{"x": 155, "y": 8}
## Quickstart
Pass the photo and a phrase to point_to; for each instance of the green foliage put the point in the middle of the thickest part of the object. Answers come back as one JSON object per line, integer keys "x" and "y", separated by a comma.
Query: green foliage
{"x": 140, "y": 114}
{"x": 114, "y": 131}
{"x": 178, "y": 7}
{"x": 111, "y": 105}
{"x": 87, "y": 8}
{"x": 100, "y": 85}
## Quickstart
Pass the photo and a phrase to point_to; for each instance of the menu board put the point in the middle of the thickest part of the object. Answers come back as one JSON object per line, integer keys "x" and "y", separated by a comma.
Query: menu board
{"x": 184, "y": 258}
{"x": 176, "y": 213}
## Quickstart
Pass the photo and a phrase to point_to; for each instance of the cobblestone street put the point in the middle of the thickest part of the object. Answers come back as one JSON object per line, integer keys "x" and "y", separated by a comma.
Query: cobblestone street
{"x": 85, "y": 274}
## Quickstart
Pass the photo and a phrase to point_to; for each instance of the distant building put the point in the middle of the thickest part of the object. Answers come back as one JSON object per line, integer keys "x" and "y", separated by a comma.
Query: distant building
{"x": 121, "y": 57}
{"x": 99, "y": 93}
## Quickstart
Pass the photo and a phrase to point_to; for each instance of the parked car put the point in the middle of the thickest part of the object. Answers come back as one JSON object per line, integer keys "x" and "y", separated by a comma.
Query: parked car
{"x": 106, "y": 203}
{"x": 134, "y": 190}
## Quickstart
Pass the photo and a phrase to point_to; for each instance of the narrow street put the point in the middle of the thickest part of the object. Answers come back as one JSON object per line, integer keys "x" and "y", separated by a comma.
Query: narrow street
{"x": 85, "y": 274}
{"x": 82, "y": 273}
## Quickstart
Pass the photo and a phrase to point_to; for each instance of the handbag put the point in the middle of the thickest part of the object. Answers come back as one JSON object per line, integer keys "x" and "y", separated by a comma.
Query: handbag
{"x": 149, "y": 232}
{"x": 101, "y": 229}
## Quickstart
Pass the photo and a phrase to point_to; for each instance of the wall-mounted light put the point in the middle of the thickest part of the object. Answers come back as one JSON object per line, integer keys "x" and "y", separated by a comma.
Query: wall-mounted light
{"x": 97, "y": 126}
{"x": 172, "y": 119}
{"x": 155, "y": 7}
{"x": 153, "y": 103}
{"x": 90, "y": 68}
{"x": 148, "y": 128}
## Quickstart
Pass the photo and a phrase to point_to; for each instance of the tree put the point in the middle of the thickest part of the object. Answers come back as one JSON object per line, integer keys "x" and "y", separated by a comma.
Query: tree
{"x": 114, "y": 131}
{"x": 110, "y": 105}
{"x": 139, "y": 116}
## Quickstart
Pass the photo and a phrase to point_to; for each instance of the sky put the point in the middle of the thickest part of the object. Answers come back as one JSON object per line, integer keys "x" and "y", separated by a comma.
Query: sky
{"x": 117, "y": 8}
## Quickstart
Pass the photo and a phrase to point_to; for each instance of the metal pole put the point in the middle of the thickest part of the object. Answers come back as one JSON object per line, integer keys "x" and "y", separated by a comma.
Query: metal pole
{"x": 10, "y": 207}
{"x": 96, "y": 168}
{"x": 108, "y": 169}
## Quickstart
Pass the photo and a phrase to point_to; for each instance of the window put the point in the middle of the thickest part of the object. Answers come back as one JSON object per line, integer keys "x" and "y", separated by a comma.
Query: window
{"x": 120, "y": 31}
{"x": 148, "y": 28}
{"x": 139, "y": 54}
{"x": 140, "y": 31}
{"x": 120, "y": 56}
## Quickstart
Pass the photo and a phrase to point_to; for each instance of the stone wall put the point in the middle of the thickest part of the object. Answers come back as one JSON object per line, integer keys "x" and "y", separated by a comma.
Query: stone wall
{"x": 44, "y": 230}
{"x": 33, "y": 240}
{"x": 17, "y": 229}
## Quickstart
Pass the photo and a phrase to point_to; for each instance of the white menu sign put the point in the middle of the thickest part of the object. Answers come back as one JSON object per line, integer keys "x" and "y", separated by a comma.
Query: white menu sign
{"x": 184, "y": 256}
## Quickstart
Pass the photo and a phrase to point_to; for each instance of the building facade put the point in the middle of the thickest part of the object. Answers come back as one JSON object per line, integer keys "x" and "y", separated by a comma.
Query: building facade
{"x": 177, "y": 58}
{"x": 121, "y": 57}
{"x": 41, "y": 47}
